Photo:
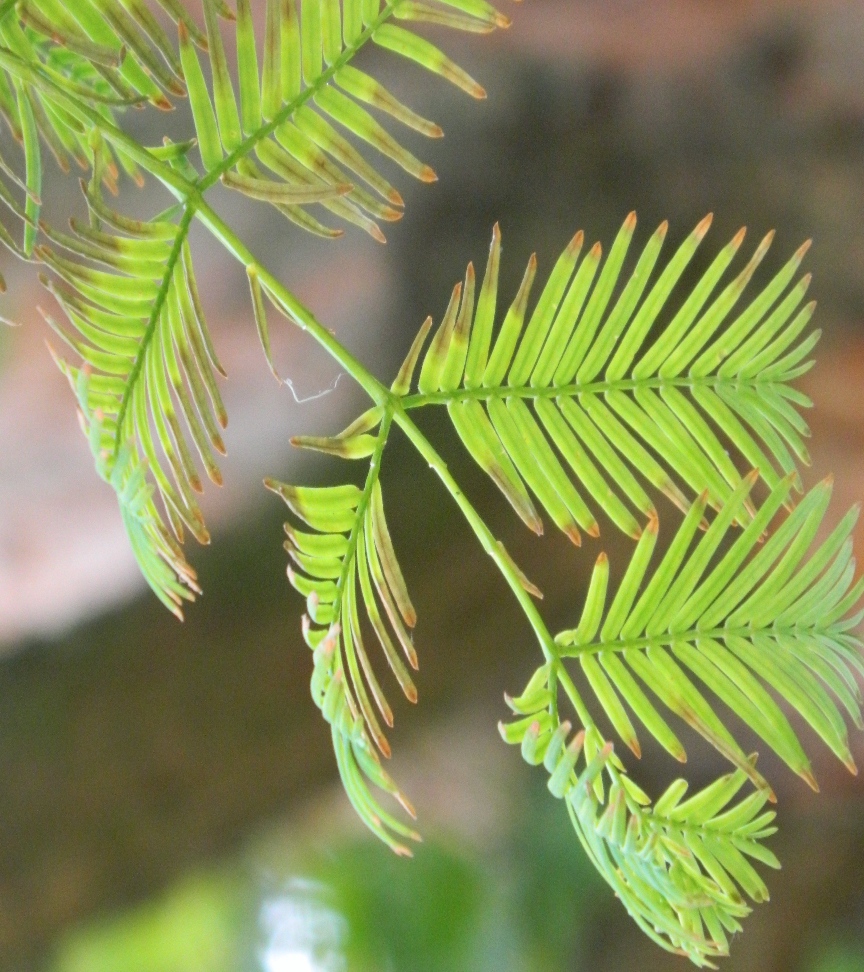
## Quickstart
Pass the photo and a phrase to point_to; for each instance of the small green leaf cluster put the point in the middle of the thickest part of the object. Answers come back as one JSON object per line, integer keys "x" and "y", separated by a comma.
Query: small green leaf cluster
{"x": 608, "y": 398}
{"x": 340, "y": 576}
{"x": 676, "y": 866}
{"x": 291, "y": 113}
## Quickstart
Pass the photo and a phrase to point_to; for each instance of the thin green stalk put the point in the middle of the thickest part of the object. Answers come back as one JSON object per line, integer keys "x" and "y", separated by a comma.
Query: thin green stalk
{"x": 191, "y": 198}
{"x": 566, "y": 391}
{"x": 153, "y": 321}
{"x": 481, "y": 531}
{"x": 301, "y": 315}
{"x": 573, "y": 695}
{"x": 371, "y": 478}
{"x": 668, "y": 639}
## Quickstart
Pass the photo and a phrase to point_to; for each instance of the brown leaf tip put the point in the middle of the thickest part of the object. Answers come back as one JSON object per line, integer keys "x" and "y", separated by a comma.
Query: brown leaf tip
{"x": 768, "y": 240}
{"x": 801, "y": 252}
{"x": 575, "y": 245}
{"x": 704, "y": 226}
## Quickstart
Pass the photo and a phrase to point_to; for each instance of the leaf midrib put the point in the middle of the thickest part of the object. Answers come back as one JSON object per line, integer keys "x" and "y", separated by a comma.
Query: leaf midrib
{"x": 372, "y": 478}
{"x": 213, "y": 176}
{"x": 483, "y": 393}
{"x": 152, "y": 323}
{"x": 667, "y": 639}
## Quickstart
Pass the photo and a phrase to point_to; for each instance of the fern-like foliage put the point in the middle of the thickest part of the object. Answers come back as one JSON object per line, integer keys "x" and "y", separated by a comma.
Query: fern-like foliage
{"x": 139, "y": 327}
{"x": 681, "y": 869}
{"x": 619, "y": 382}
{"x": 741, "y": 623}
{"x": 761, "y": 616}
{"x": 618, "y": 404}
{"x": 101, "y": 54}
{"x": 609, "y": 390}
{"x": 291, "y": 137}
{"x": 347, "y": 571}
{"x": 122, "y": 41}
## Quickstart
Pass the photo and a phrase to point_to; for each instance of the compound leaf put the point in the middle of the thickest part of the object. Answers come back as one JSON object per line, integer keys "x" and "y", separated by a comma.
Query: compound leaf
{"x": 609, "y": 385}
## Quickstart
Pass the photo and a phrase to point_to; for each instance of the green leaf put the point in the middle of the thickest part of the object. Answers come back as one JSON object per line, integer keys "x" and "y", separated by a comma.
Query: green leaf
{"x": 302, "y": 108}
{"x": 679, "y": 868}
{"x": 146, "y": 383}
{"x": 348, "y": 572}
{"x": 756, "y": 620}
{"x": 417, "y": 49}
{"x": 592, "y": 382}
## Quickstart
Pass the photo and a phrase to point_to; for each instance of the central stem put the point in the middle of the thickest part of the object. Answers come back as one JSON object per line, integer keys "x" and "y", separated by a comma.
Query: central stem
{"x": 494, "y": 549}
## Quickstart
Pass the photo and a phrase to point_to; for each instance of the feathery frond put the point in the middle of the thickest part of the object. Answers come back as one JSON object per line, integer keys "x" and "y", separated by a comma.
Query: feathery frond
{"x": 681, "y": 869}
{"x": 302, "y": 110}
{"x": 616, "y": 403}
{"x": 614, "y": 381}
{"x": 29, "y": 64}
{"x": 104, "y": 54}
{"x": 742, "y": 620}
{"x": 139, "y": 328}
{"x": 157, "y": 551}
{"x": 347, "y": 570}
{"x": 147, "y": 382}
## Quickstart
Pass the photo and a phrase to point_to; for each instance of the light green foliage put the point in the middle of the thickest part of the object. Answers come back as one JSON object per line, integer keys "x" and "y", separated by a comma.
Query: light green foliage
{"x": 604, "y": 384}
{"x": 678, "y": 867}
{"x": 737, "y": 604}
{"x": 341, "y": 576}
{"x": 779, "y": 621}
{"x": 140, "y": 327}
{"x": 610, "y": 395}
{"x": 755, "y": 616}
{"x": 197, "y": 925}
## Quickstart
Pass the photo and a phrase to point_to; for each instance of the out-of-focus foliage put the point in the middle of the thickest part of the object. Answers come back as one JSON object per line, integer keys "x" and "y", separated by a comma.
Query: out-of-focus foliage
{"x": 286, "y": 133}
{"x": 199, "y": 925}
{"x": 522, "y": 905}
{"x": 841, "y": 956}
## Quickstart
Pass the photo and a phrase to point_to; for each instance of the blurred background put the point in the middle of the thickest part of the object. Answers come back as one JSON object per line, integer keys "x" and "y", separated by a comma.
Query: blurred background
{"x": 168, "y": 801}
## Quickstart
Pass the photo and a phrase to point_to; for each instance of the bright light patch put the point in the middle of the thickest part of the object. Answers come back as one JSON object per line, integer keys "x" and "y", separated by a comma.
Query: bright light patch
{"x": 276, "y": 961}
{"x": 303, "y": 933}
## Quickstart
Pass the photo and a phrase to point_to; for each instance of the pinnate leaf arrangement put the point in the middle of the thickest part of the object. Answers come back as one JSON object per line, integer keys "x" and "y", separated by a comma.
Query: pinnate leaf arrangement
{"x": 610, "y": 384}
